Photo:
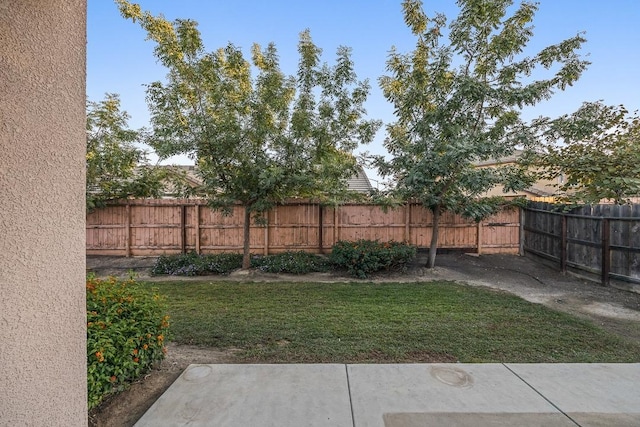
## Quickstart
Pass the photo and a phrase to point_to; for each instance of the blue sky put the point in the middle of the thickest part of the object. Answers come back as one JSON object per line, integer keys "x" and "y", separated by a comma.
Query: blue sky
{"x": 119, "y": 59}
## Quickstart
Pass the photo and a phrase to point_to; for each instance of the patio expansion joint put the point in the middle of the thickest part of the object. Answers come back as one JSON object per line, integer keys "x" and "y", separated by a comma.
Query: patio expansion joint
{"x": 541, "y": 395}
{"x": 353, "y": 418}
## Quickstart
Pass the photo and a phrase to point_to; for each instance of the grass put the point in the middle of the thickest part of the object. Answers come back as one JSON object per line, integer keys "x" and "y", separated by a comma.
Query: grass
{"x": 390, "y": 322}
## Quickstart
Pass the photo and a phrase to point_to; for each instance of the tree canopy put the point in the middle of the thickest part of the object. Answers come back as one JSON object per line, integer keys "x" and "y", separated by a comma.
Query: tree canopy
{"x": 457, "y": 99}
{"x": 594, "y": 153}
{"x": 116, "y": 168}
{"x": 257, "y": 135}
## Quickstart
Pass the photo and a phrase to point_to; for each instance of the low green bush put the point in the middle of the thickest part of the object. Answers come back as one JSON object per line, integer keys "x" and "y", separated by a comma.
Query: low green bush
{"x": 193, "y": 264}
{"x": 126, "y": 332}
{"x": 291, "y": 262}
{"x": 360, "y": 258}
{"x": 364, "y": 257}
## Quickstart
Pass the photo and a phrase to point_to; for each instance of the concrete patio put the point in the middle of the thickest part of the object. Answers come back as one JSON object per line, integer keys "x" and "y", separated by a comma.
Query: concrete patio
{"x": 401, "y": 395}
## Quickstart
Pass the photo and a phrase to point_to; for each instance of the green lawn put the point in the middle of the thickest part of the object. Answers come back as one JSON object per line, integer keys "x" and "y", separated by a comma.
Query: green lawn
{"x": 390, "y": 322}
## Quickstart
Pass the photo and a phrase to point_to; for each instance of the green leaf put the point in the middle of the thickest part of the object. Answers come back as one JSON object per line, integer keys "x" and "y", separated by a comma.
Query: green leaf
{"x": 258, "y": 135}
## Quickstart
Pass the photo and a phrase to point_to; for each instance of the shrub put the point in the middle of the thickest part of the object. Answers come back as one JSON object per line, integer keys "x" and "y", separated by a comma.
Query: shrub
{"x": 223, "y": 263}
{"x": 291, "y": 262}
{"x": 193, "y": 264}
{"x": 364, "y": 257}
{"x": 126, "y": 331}
{"x": 180, "y": 264}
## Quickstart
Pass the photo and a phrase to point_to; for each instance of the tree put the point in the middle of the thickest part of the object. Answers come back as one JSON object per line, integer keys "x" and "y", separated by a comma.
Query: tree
{"x": 257, "y": 140}
{"x": 595, "y": 152}
{"x": 116, "y": 167}
{"x": 458, "y": 102}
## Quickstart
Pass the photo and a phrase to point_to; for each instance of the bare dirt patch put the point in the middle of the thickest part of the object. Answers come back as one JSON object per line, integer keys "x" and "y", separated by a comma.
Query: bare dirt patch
{"x": 615, "y": 310}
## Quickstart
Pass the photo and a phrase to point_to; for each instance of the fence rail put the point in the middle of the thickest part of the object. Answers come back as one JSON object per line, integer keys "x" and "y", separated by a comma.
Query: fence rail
{"x": 602, "y": 240}
{"x": 154, "y": 227}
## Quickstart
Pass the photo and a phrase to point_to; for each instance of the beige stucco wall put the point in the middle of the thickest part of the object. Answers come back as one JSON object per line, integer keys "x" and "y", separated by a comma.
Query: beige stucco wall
{"x": 42, "y": 264}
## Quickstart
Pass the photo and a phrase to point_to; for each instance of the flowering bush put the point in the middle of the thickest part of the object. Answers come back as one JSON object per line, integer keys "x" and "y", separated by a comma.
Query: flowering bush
{"x": 363, "y": 257}
{"x": 291, "y": 262}
{"x": 126, "y": 332}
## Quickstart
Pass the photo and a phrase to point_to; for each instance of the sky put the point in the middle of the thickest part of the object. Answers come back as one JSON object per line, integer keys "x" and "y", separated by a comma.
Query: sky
{"x": 120, "y": 60}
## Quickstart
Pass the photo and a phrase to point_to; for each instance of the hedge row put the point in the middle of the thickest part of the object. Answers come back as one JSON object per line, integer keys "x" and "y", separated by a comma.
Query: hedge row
{"x": 359, "y": 258}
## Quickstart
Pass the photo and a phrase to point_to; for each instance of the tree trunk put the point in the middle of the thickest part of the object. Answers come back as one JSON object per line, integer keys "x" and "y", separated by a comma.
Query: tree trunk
{"x": 246, "y": 251}
{"x": 433, "y": 248}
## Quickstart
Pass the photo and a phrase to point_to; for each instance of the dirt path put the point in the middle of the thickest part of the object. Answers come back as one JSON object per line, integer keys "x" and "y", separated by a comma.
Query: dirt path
{"x": 615, "y": 310}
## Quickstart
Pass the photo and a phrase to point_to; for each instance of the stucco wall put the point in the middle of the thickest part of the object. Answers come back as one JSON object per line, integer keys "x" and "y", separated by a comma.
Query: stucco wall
{"x": 42, "y": 264}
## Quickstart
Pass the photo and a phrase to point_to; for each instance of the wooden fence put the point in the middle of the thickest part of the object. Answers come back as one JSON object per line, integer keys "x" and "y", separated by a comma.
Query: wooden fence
{"x": 600, "y": 241}
{"x": 154, "y": 227}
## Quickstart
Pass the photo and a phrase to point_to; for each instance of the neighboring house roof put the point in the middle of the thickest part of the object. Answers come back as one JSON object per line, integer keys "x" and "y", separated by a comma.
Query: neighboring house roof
{"x": 501, "y": 161}
{"x": 540, "y": 192}
{"x": 189, "y": 171}
{"x": 359, "y": 182}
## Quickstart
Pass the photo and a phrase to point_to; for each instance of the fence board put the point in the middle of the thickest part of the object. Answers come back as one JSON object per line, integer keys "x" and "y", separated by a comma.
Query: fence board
{"x": 634, "y": 242}
{"x": 157, "y": 227}
{"x": 501, "y": 232}
{"x": 601, "y": 240}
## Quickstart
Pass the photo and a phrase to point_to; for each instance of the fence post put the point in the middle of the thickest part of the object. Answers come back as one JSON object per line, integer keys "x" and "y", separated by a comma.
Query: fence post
{"x": 320, "y": 228}
{"x": 563, "y": 244}
{"x": 521, "y": 237}
{"x": 197, "y": 227}
{"x": 183, "y": 229}
{"x": 606, "y": 256}
{"x": 479, "y": 238}
{"x": 407, "y": 223}
{"x": 266, "y": 232}
{"x": 127, "y": 230}
{"x": 336, "y": 230}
